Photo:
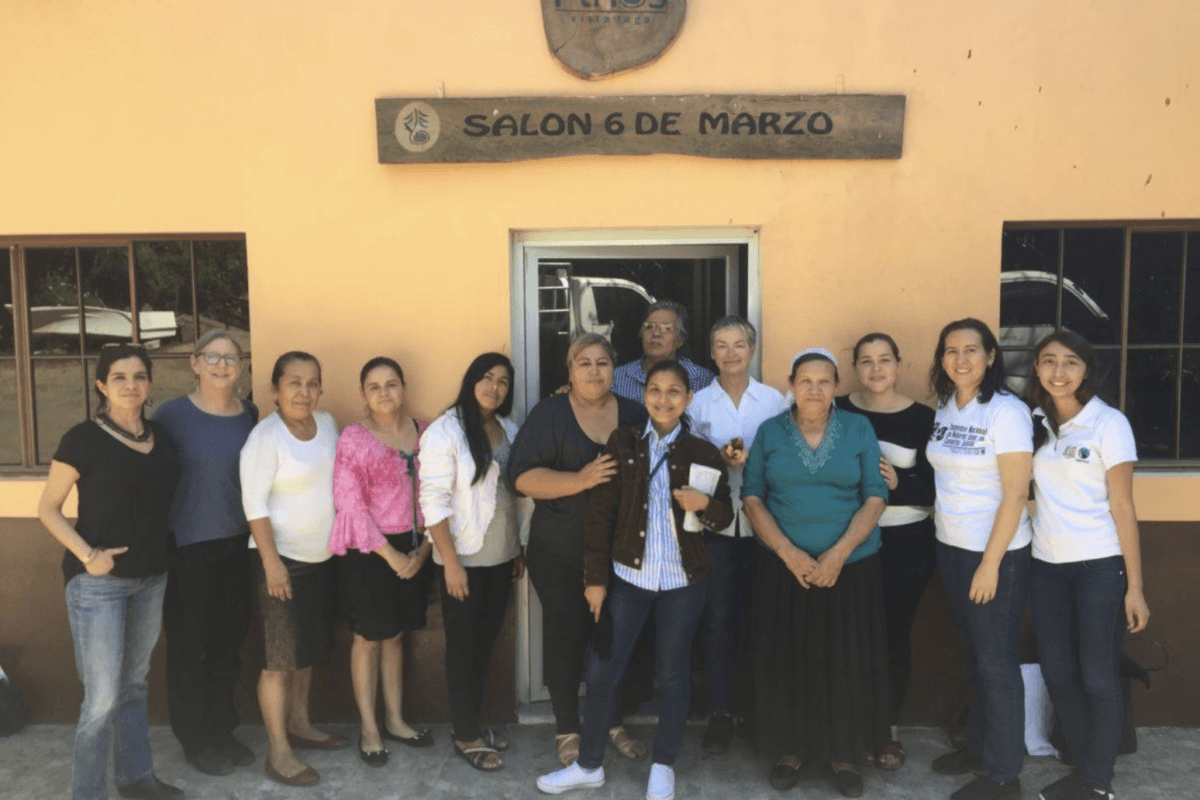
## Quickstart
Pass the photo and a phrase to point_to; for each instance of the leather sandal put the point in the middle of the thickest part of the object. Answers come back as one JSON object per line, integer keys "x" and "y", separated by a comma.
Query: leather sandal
{"x": 477, "y": 757}
{"x": 568, "y": 748}
{"x": 890, "y": 756}
{"x": 625, "y": 744}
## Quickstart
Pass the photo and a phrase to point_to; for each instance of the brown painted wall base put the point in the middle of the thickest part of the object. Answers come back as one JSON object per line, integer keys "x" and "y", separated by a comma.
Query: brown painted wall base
{"x": 35, "y": 645}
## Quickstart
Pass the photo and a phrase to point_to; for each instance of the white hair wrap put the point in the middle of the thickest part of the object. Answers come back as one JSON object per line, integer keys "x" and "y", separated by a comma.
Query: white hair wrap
{"x": 820, "y": 351}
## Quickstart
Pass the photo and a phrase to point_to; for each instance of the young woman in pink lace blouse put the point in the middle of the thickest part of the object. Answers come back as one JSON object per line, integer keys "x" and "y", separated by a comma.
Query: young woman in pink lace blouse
{"x": 384, "y": 573}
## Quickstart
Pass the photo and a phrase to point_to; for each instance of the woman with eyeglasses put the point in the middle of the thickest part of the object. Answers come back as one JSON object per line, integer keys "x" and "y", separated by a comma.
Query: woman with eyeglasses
{"x": 384, "y": 574}
{"x": 287, "y": 492}
{"x": 207, "y": 606}
{"x": 115, "y": 570}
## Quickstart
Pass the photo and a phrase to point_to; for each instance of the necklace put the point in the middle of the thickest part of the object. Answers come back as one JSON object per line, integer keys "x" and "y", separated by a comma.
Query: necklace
{"x": 140, "y": 438}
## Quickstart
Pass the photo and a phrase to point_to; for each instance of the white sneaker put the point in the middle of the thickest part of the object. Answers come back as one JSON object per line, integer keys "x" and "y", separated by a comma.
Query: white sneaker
{"x": 572, "y": 777}
{"x": 662, "y": 783}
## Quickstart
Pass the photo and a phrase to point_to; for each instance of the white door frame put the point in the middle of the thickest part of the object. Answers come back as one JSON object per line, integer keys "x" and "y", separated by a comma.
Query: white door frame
{"x": 527, "y": 248}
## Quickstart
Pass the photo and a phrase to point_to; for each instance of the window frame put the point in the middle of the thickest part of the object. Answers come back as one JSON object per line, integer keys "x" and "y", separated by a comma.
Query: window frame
{"x": 1190, "y": 228}
{"x": 23, "y": 357}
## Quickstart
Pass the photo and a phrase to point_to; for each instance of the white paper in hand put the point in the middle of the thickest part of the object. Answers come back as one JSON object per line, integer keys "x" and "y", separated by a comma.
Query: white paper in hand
{"x": 702, "y": 479}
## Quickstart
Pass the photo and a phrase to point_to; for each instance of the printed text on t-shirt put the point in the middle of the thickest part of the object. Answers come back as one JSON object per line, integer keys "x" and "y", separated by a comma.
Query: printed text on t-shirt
{"x": 963, "y": 439}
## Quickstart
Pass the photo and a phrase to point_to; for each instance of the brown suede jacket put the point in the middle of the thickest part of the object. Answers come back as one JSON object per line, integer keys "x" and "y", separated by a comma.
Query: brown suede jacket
{"x": 615, "y": 526}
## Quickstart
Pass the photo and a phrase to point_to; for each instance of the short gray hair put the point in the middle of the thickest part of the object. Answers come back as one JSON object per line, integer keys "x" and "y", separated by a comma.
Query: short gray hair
{"x": 585, "y": 340}
{"x": 208, "y": 337}
{"x": 733, "y": 321}
{"x": 675, "y": 308}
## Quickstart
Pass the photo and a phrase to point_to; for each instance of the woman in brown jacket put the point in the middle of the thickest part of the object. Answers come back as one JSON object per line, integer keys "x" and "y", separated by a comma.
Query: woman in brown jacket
{"x": 639, "y": 557}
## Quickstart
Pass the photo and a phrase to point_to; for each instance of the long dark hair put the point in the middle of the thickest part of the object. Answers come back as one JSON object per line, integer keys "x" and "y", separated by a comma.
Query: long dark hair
{"x": 995, "y": 379}
{"x": 675, "y": 368}
{"x": 111, "y": 354}
{"x": 468, "y": 408}
{"x": 1040, "y": 398}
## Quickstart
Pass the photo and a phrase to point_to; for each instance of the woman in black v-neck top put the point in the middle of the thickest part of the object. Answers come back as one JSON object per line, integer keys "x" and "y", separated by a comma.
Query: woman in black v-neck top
{"x": 115, "y": 570}
{"x": 555, "y": 461}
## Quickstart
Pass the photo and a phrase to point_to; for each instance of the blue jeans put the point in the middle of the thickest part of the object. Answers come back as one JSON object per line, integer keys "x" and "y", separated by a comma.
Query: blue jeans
{"x": 991, "y": 633}
{"x": 114, "y": 626}
{"x": 1079, "y": 621}
{"x": 724, "y": 615}
{"x": 676, "y": 614}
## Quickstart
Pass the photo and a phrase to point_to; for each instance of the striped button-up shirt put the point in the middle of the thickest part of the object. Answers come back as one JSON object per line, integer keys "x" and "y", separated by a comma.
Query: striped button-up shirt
{"x": 662, "y": 566}
{"x": 629, "y": 380}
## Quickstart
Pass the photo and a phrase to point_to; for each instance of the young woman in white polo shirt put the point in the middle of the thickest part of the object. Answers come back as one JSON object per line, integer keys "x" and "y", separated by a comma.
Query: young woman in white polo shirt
{"x": 1087, "y": 570}
{"x": 981, "y": 452}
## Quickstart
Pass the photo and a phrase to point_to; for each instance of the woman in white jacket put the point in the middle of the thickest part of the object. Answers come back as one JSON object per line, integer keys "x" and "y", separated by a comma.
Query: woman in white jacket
{"x": 471, "y": 516}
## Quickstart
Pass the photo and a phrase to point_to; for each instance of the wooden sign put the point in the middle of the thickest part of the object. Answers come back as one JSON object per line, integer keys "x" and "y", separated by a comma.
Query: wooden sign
{"x": 838, "y": 126}
{"x": 597, "y": 38}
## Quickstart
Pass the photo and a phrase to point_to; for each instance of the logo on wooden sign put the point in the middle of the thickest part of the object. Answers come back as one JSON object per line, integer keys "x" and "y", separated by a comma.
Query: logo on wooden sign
{"x": 597, "y": 38}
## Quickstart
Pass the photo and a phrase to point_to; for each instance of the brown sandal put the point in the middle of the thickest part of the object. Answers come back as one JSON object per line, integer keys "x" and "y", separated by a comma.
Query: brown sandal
{"x": 568, "y": 748}
{"x": 890, "y": 756}
{"x": 626, "y": 745}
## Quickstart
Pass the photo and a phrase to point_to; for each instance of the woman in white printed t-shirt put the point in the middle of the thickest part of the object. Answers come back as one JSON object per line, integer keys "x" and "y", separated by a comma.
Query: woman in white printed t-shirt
{"x": 981, "y": 452}
{"x": 1087, "y": 568}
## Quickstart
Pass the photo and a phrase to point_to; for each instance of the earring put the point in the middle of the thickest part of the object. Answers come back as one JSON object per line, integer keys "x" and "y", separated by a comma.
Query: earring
{"x": 149, "y": 402}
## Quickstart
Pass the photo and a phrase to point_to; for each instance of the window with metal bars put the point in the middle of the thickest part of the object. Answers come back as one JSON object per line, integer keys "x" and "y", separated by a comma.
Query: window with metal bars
{"x": 64, "y": 298}
{"x": 1133, "y": 290}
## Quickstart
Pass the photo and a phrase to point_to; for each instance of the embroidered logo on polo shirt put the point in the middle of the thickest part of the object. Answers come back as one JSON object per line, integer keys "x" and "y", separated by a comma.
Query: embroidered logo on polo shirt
{"x": 1083, "y": 454}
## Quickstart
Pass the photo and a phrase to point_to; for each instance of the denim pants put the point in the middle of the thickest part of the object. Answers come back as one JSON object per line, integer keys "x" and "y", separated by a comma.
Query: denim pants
{"x": 114, "y": 626}
{"x": 1079, "y": 621}
{"x": 724, "y": 617}
{"x": 676, "y": 613}
{"x": 991, "y": 634}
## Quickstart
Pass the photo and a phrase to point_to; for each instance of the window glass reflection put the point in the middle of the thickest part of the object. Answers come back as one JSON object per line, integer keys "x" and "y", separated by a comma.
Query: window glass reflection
{"x": 1189, "y": 434}
{"x": 163, "y": 273}
{"x": 53, "y": 295}
{"x": 1028, "y": 288}
{"x": 1191, "y": 304}
{"x": 1155, "y": 270}
{"x": 59, "y": 402}
{"x": 10, "y": 424}
{"x": 222, "y": 289}
{"x": 1093, "y": 271}
{"x": 6, "y": 304}
{"x": 104, "y": 277}
{"x": 1150, "y": 401}
{"x": 1108, "y": 376}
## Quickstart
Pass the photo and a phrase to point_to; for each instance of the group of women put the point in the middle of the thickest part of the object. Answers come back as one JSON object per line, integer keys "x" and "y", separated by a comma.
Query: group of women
{"x": 807, "y": 552}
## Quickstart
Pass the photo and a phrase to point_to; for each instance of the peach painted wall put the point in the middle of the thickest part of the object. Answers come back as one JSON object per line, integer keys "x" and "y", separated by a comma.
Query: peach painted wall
{"x": 258, "y": 117}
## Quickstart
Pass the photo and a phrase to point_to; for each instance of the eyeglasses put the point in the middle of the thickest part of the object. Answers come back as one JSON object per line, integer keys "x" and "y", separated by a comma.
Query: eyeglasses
{"x": 212, "y": 359}
{"x": 659, "y": 327}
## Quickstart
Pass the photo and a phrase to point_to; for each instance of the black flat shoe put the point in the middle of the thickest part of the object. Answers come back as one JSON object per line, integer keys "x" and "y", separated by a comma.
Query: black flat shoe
{"x": 784, "y": 776}
{"x": 375, "y": 758}
{"x": 422, "y": 738}
{"x": 848, "y": 782}
{"x": 238, "y": 754}
{"x": 150, "y": 788}
{"x": 208, "y": 760}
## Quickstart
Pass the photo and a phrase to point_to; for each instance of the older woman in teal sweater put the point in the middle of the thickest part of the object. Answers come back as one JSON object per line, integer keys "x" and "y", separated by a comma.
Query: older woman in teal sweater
{"x": 814, "y": 495}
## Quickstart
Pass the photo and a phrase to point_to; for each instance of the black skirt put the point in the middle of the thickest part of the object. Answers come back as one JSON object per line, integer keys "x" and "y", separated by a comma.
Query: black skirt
{"x": 821, "y": 687}
{"x": 377, "y": 603}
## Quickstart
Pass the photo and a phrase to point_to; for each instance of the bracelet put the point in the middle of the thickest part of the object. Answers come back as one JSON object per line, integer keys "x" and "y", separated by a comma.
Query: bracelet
{"x": 91, "y": 555}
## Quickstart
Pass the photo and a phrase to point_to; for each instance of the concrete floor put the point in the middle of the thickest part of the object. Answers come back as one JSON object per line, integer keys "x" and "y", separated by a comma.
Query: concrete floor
{"x": 35, "y": 765}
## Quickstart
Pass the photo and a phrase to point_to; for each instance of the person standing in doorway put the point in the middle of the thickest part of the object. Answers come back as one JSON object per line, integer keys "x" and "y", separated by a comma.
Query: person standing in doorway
{"x": 664, "y": 331}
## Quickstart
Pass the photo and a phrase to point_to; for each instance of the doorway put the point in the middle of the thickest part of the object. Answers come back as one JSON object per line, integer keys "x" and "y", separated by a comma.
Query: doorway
{"x": 565, "y": 283}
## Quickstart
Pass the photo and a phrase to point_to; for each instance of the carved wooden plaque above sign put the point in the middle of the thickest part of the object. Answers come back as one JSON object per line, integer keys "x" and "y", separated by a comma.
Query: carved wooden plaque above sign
{"x": 597, "y": 38}
{"x": 464, "y": 129}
